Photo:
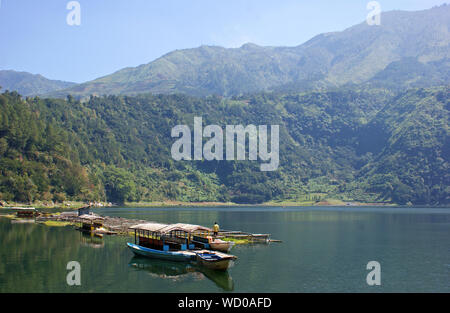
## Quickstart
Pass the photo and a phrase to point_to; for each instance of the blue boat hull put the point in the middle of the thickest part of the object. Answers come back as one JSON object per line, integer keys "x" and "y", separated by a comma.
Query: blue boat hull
{"x": 163, "y": 255}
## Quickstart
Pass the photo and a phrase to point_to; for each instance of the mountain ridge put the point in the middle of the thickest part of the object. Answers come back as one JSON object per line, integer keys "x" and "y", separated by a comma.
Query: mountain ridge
{"x": 29, "y": 84}
{"x": 352, "y": 56}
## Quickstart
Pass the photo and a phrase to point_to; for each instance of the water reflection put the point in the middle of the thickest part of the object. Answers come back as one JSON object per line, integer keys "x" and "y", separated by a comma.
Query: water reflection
{"x": 89, "y": 240}
{"x": 23, "y": 221}
{"x": 180, "y": 270}
{"x": 323, "y": 250}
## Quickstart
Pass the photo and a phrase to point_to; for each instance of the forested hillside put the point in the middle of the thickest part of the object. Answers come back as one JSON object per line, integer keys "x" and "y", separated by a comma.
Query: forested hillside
{"x": 369, "y": 145}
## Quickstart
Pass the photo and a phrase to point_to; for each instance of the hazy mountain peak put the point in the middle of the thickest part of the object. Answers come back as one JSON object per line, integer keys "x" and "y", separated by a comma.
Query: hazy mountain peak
{"x": 249, "y": 46}
{"x": 30, "y": 84}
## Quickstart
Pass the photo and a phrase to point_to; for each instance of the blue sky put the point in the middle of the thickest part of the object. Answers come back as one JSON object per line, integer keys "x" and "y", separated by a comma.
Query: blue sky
{"x": 120, "y": 33}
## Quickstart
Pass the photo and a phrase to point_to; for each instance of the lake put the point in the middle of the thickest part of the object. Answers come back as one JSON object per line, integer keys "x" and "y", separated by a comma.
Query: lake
{"x": 323, "y": 249}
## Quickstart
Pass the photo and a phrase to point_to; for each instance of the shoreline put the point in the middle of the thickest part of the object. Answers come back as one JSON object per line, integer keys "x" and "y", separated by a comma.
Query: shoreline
{"x": 172, "y": 204}
{"x": 73, "y": 205}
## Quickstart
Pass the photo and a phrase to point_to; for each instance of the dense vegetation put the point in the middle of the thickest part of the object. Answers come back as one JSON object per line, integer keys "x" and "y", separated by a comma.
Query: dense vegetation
{"x": 365, "y": 145}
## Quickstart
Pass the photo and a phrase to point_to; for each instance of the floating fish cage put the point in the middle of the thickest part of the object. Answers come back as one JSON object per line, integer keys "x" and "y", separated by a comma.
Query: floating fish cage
{"x": 239, "y": 235}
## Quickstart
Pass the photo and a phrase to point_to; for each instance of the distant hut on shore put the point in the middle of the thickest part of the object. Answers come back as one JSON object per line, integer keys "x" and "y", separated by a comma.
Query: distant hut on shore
{"x": 25, "y": 212}
{"x": 91, "y": 222}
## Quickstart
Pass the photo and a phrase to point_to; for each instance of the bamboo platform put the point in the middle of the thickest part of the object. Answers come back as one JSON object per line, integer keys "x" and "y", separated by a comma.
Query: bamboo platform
{"x": 109, "y": 225}
{"x": 106, "y": 225}
{"x": 260, "y": 238}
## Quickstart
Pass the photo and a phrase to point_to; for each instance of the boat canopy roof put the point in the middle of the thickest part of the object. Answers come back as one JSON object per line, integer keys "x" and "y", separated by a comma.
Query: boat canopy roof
{"x": 91, "y": 217}
{"x": 22, "y": 209}
{"x": 189, "y": 228}
{"x": 153, "y": 227}
{"x": 165, "y": 228}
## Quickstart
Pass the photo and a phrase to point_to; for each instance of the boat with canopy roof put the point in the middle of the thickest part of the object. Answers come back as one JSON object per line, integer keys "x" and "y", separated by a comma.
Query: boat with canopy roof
{"x": 177, "y": 242}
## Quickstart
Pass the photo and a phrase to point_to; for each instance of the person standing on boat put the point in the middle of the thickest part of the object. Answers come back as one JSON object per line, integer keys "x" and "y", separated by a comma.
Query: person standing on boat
{"x": 216, "y": 229}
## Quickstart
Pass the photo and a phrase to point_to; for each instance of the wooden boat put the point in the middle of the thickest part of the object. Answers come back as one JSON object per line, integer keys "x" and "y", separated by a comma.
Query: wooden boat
{"x": 221, "y": 245}
{"x": 208, "y": 242}
{"x": 161, "y": 254}
{"x": 173, "y": 242}
{"x": 25, "y": 212}
{"x": 214, "y": 260}
{"x": 93, "y": 224}
{"x": 150, "y": 240}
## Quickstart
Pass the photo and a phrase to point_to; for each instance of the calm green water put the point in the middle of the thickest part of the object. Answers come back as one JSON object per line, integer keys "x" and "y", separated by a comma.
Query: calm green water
{"x": 323, "y": 250}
